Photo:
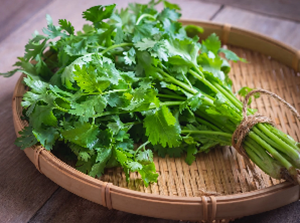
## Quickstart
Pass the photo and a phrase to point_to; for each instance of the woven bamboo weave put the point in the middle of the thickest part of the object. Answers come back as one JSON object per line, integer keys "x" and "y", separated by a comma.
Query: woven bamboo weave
{"x": 216, "y": 178}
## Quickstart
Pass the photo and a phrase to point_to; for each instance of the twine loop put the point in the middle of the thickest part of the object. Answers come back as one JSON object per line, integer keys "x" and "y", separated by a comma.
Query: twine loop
{"x": 106, "y": 195}
{"x": 209, "y": 214}
{"x": 251, "y": 120}
{"x": 36, "y": 160}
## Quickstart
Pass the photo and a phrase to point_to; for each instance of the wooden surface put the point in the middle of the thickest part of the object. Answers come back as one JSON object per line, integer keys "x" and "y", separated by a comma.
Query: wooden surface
{"x": 28, "y": 196}
{"x": 285, "y": 9}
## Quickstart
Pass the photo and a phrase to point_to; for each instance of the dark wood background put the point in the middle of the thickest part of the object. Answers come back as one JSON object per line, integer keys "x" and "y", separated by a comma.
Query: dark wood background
{"x": 28, "y": 196}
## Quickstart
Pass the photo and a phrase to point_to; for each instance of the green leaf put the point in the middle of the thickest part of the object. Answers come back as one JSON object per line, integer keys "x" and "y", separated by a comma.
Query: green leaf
{"x": 191, "y": 151}
{"x": 66, "y": 25}
{"x": 35, "y": 47}
{"x": 46, "y": 136}
{"x": 134, "y": 166}
{"x": 53, "y": 31}
{"x": 246, "y": 90}
{"x": 142, "y": 31}
{"x": 121, "y": 157}
{"x": 82, "y": 153}
{"x": 148, "y": 174}
{"x": 67, "y": 76}
{"x": 145, "y": 44}
{"x": 231, "y": 55}
{"x": 145, "y": 156}
{"x": 171, "y": 5}
{"x": 192, "y": 30}
{"x": 87, "y": 79}
{"x": 26, "y": 139}
{"x": 161, "y": 128}
{"x": 42, "y": 114}
{"x": 102, "y": 157}
{"x": 129, "y": 56}
{"x": 84, "y": 135}
{"x": 212, "y": 44}
{"x": 172, "y": 152}
{"x": 98, "y": 13}
{"x": 182, "y": 51}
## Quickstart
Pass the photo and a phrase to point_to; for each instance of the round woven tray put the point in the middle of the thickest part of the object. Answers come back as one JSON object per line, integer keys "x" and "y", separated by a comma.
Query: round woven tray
{"x": 217, "y": 187}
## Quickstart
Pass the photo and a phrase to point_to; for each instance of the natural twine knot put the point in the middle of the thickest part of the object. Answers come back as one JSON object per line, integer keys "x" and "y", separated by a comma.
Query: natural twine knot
{"x": 249, "y": 121}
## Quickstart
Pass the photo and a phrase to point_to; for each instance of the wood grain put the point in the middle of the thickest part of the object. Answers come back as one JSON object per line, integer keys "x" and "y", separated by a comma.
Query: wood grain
{"x": 14, "y": 13}
{"x": 23, "y": 190}
{"x": 286, "y": 9}
{"x": 283, "y": 30}
{"x": 67, "y": 207}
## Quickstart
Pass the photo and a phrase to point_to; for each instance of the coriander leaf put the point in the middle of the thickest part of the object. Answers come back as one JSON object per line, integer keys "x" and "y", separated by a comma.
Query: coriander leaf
{"x": 246, "y": 90}
{"x": 42, "y": 114}
{"x": 84, "y": 135}
{"x": 76, "y": 48}
{"x": 145, "y": 156}
{"x": 102, "y": 157}
{"x": 170, "y": 14}
{"x": 172, "y": 152}
{"x": 148, "y": 174}
{"x": 129, "y": 56}
{"x": 84, "y": 167}
{"x": 82, "y": 153}
{"x": 191, "y": 151}
{"x": 121, "y": 157}
{"x": 88, "y": 108}
{"x": 35, "y": 47}
{"x": 211, "y": 43}
{"x": 161, "y": 127}
{"x": 143, "y": 31}
{"x": 87, "y": 79}
{"x": 98, "y": 13}
{"x": 66, "y": 25}
{"x": 145, "y": 44}
{"x": 134, "y": 166}
{"x": 52, "y": 31}
{"x": 10, "y": 73}
{"x": 192, "y": 30}
{"x": 182, "y": 51}
{"x": 231, "y": 55}
{"x": 46, "y": 136}
{"x": 67, "y": 76}
{"x": 26, "y": 139}
{"x": 171, "y": 5}
{"x": 212, "y": 65}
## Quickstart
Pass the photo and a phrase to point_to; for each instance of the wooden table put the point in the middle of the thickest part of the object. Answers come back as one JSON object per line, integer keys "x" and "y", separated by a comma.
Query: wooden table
{"x": 28, "y": 196}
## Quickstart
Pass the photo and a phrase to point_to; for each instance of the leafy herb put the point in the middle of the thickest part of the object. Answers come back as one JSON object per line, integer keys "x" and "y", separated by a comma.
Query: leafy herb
{"x": 136, "y": 76}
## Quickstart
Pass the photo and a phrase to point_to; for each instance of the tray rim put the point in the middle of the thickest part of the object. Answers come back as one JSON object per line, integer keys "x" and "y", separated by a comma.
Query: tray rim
{"x": 176, "y": 208}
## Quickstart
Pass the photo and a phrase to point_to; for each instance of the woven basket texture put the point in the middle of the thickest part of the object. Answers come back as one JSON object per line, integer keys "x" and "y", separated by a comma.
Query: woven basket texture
{"x": 222, "y": 171}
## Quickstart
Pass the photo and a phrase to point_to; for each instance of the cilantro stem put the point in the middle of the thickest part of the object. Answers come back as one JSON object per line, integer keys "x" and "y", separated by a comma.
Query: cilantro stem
{"x": 207, "y": 132}
{"x": 271, "y": 150}
{"x": 167, "y": 103}
{"x": 179, "y": 83}
{"x": 217, "y": 89}
{"x": 187, "y": 81}
{"x": 115, "y": 46}
{"x": 202, "y": 121}
{"x": 171, "y": 96}
{"x": 114, "y": 91}
{"x": 141, "y": 146}
{"x": 144, "y": 16}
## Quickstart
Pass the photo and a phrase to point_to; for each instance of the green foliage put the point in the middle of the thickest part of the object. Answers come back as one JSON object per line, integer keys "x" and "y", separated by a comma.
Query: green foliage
{"x": 133, "y": 76}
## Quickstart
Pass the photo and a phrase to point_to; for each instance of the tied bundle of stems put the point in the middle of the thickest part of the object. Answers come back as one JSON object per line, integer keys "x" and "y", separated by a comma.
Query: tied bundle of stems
{"x": 137, "y": 76}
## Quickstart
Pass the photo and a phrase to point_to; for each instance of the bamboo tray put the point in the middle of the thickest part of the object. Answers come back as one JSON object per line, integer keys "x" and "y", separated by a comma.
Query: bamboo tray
{"x": 218, "y": 187}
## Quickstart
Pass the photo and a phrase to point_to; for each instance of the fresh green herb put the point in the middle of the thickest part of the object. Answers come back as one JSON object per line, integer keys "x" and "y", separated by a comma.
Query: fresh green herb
{"x": 136, "y": 77}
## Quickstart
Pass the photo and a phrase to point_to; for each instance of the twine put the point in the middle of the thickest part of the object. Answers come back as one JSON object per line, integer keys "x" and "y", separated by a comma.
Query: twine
{"x": 250, "y": 120}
